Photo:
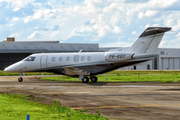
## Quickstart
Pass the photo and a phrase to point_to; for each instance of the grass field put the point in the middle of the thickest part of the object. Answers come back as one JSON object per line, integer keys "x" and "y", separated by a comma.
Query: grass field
{"x": 129, "y": 76}
{"x": 16, "y": 107}
{"x": 3, "y": 73}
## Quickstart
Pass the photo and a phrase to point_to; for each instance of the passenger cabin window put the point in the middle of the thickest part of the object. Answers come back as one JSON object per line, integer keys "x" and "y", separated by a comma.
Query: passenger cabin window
{"x": 30, "y": 59}
{"x": 53, "y": 59}
{"x": 89, "y": 58}
{"x": 82, "y": 58}
{"x": 76, "y": 58}
{"x": 61, "y": 59}
{"x": 68, "y": 59}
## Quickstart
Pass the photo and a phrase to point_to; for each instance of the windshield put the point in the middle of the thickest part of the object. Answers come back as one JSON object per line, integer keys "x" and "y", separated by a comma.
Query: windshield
{"x": 30, "y": 59}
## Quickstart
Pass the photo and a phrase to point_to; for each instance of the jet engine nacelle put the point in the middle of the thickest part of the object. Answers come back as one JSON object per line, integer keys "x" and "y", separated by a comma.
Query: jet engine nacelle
{"x": 118, "y": 57}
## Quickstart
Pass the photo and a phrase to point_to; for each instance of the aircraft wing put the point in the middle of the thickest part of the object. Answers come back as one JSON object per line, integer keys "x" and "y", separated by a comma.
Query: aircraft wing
{"x": 75, "y": 71}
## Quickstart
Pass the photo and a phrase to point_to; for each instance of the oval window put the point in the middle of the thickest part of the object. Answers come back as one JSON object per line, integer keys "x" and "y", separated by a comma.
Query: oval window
{"x": 53, "y": 59}
{"x": 68, "y": 59}
{"x": 61, "y": 59}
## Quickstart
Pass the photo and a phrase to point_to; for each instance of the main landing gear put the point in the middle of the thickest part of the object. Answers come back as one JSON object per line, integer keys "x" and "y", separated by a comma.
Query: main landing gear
{"x": 86, "y": 79}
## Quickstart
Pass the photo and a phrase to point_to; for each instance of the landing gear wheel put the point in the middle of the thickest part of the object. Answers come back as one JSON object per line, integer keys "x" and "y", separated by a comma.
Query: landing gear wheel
{"x": 94, "y": 79}
{"x": 85, "y": 80}
{"x": 20, "y": 79}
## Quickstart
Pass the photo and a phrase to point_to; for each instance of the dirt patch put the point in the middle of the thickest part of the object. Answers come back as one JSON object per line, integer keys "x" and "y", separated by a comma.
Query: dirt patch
{"x": 118, "y": 100}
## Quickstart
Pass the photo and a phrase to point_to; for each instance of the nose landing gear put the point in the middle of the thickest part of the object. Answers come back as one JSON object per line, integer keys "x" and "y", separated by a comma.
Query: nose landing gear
{"x": 20, "y": 79}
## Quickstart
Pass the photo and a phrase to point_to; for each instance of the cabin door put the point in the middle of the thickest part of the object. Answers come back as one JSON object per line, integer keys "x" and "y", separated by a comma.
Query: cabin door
{"x": 43, "y": 62}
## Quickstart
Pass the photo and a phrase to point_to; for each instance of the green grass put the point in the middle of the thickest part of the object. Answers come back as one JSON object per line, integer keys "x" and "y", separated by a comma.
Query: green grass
{"x": 3, "y": 73}
{"x": 129, "y": 76}
{"x": 16, "y": 107}
{"x": 142, "y": 72}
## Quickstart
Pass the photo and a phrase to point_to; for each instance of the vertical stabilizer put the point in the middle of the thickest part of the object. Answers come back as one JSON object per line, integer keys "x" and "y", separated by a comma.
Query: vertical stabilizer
{"x": 149, "y": 40}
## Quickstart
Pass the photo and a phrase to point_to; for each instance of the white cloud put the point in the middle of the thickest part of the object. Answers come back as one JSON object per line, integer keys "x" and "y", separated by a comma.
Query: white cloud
{"x": 101, "y": 26}
{"x": 148, "y": 13}
{"x": 178, "y": 36}
{"x": 115, "y": 44}
{"x": 35, "y": 34}
{"x": 169, "y": 22}
{"x": 160, "y": 3}
{"x": 95, "y": 40}
{"x": 28, "y": 19}
{"x": 116, "y": 29}
{"x": 46, "y": 14}
{"x": 162, "y": 44}
{"x": 156, "y": 25}
{"x": 169, "y": 43}
{"x": 92, "y": 20}
{"x": 17, "y": 4}
{"x": 112, "y": 7}
{"x": 134, "y": 32}
{"x": 16, "y": 9}
{"x": 147, "y": 25}
{"x": 177, "y": 26}
{"x": 16, "y": 35}
{"x": 115, "y": 19}
{"x": 81, "y": 31}
{"x": 43, "y": 14}
{"x": 55, "y": 33}
{"x": 15, "y": 19}
{"x": 37, "y": 4}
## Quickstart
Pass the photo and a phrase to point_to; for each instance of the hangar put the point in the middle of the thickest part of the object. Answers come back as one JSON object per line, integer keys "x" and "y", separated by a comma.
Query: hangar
{"x": 12, "y": 51}
{"x": 167, "y": 59}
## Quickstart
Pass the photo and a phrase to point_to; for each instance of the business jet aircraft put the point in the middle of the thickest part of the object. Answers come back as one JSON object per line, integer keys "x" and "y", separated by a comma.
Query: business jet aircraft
{"x": 84, "y": 64}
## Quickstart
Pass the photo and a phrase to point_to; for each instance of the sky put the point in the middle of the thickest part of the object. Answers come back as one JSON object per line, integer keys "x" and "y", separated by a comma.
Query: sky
{"x": 110, "y": 23}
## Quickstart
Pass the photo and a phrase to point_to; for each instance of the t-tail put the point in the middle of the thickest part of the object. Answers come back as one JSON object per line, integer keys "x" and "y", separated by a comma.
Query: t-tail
{"x": 149, "y": 40}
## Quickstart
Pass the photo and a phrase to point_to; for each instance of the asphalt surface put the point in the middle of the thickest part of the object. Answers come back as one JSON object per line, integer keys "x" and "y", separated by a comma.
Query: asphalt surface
{"x": 129, "y": 101}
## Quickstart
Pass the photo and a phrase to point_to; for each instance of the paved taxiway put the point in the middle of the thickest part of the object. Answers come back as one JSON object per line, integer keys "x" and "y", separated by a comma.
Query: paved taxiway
{"x": 117, "y": 100}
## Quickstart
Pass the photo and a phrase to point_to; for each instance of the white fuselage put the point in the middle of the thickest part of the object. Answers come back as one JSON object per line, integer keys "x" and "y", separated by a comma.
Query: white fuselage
{"x": 53, "y": 60}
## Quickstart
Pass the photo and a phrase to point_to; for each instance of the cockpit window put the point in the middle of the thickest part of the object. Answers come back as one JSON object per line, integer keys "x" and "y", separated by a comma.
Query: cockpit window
{"x": 30, "y": 59}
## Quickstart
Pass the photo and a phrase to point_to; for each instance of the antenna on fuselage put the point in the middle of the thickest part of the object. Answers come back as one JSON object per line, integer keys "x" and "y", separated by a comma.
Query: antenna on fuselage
{"x": 80, "y": 50}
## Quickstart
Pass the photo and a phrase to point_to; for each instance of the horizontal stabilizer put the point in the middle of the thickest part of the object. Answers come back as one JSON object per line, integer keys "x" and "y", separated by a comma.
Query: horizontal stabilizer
{"x": 154, "y": 30}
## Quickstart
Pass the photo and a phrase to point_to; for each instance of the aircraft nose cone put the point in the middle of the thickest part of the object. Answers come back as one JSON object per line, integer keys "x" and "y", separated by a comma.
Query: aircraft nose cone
{"x": 8, "y": 69}
{"x": 13, "y": 68}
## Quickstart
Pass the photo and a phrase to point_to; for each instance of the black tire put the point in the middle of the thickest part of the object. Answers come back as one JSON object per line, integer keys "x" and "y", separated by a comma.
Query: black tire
{"x": 85, "y": 80}
{"x": 94, "y": 79}
{"x": 20, "y": 79}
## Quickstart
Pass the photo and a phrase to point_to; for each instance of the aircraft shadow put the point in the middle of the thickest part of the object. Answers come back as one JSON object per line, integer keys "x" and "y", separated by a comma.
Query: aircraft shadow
{"x": 89, "y": 83}
{"x": 96, "y": 84}
{"x": 173, "y": 89}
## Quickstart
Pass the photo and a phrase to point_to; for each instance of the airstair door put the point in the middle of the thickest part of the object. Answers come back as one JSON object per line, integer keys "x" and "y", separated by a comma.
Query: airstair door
{"x": 43, "y": 62}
